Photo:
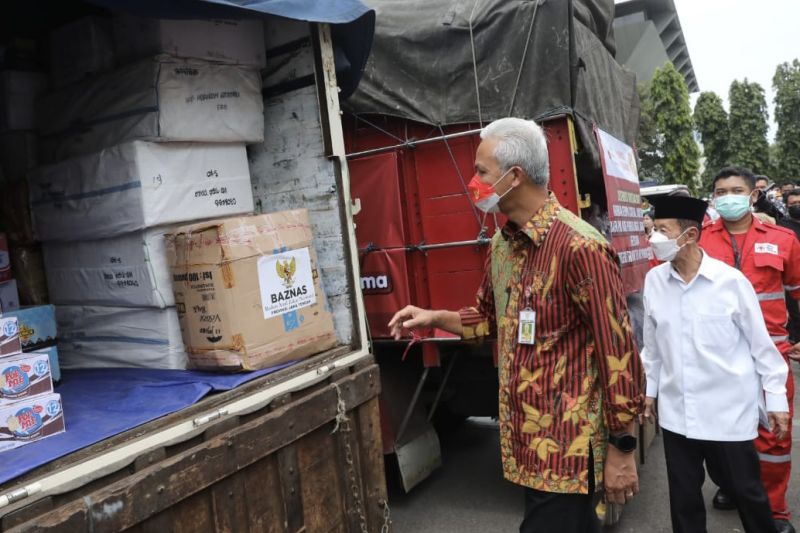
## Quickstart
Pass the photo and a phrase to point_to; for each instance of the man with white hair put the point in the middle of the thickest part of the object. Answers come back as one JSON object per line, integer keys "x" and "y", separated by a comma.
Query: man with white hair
{"x": 571, "y": 383}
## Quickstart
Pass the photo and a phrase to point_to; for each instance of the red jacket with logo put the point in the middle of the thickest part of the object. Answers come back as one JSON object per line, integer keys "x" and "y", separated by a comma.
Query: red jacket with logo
{"x": 770, "y": 259}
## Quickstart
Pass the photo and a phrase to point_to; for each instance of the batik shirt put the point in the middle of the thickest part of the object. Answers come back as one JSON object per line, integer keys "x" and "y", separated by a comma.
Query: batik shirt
{"x": 582, "y": 376}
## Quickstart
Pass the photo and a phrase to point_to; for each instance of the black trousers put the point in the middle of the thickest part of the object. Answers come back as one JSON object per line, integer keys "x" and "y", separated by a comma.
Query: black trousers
{"x": 549, "y": 512}
{"x": 734, "y": 465}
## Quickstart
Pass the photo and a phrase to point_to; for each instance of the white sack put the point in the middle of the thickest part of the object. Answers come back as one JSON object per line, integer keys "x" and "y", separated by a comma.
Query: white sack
{"x": 18, "y": 92}
{"x": 138, "y": 185}
{"x": 80, "y": 48}
{"x": 237, "y": 42}
{"x": 161, "y": 99}
{"x": 126, "y": 271}
{"x": 102, "y": 337}
{"x": 19, "y": 152}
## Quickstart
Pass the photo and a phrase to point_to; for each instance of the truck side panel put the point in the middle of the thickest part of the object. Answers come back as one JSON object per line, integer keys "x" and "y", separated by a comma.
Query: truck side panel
{"x": 286, "y": 467}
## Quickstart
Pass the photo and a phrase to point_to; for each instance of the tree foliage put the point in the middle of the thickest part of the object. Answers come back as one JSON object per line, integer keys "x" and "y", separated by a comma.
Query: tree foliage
{"x": 648, "y": 143}
{"x": 786, "y": 83}
{"x": 673, "y": 121}
{"x": 711, "y": 122}
{"x": 748, "y": 126}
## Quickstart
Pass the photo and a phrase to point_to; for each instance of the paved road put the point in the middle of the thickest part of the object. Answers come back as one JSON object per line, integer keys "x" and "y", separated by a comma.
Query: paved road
{"x": 468, "y": 495}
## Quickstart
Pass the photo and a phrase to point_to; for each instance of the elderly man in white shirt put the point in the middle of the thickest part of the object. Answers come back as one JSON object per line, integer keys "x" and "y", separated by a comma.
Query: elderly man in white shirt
{"x": 710, "y": 362}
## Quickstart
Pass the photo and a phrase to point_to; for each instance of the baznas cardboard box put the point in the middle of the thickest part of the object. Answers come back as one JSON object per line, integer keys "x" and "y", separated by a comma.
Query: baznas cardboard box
{"x": 247, "y": 291}
{"x": 23, "y": 376}
{"x": 30, "y": 420}
{"x": 9, "y": 337}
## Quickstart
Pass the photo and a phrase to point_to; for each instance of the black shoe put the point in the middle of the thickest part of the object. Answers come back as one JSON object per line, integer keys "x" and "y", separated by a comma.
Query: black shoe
{"x": 723, "y": 502}
{"x": 784, "y": 526}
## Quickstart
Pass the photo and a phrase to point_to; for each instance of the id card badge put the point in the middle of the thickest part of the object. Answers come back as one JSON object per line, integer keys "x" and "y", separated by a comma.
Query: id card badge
{"x": 527, "y": 327}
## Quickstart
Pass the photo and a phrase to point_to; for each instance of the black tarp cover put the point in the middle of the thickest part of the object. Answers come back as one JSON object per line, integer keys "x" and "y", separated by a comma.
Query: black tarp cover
{"x": 421, "y": 64}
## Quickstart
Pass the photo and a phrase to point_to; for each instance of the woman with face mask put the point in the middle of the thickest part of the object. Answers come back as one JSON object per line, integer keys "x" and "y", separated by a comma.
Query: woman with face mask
{"x": 708, "y": 357}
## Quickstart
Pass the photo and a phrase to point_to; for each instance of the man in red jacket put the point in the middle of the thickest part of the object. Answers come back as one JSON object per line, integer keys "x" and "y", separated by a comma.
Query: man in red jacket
{"x": 769, "y": 256}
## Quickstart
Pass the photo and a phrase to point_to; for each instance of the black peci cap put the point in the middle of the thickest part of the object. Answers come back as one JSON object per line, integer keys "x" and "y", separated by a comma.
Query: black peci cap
{"x": 682, "y": 207}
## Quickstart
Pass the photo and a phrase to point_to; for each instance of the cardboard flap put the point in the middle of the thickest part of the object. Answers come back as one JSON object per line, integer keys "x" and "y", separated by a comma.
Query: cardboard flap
{"x": 232, "y": 239}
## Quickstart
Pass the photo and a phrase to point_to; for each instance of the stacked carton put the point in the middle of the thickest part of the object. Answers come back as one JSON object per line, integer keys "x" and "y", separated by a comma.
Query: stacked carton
{"x": 130, "y": 152}
{"x": 29, "y": 410}
{"x": 36, "y": 324}
{"x": 19, "y": 90}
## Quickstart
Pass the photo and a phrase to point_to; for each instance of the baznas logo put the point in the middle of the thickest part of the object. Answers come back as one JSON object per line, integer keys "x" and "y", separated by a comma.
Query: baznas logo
{"x": 286, "y": 271}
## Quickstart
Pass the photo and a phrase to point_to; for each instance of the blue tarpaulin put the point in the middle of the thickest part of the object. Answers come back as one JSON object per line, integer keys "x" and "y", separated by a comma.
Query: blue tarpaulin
{"x": 101, "y": 403}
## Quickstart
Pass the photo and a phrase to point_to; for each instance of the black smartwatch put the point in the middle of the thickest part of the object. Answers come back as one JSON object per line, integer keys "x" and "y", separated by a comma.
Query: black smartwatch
{"x": 624, "y": 442}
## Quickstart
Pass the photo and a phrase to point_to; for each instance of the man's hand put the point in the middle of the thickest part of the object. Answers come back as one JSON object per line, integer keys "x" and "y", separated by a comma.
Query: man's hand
{"x": 411, "y": 317}
{"x": 620, "y": 476}
{"x": 794, "y": 352}
{"x": 778, "y": 424}
{"x": 649, "y": 414}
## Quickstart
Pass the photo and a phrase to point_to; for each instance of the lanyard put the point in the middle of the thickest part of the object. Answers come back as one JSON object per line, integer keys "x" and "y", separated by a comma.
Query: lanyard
{"x": 737, "y": 256}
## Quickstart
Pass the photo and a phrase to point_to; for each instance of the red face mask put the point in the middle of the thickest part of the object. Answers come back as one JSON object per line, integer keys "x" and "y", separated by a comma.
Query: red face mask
{"x": 484, "y": 196}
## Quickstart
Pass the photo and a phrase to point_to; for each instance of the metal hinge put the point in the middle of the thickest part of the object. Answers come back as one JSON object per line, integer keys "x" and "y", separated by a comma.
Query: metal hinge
{"x": 19, "y": 494}
{"x": 199, "y": 421}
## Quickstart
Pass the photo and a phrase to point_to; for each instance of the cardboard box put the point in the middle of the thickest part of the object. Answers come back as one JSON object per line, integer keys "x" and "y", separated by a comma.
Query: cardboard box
{"x": 126, "y": 271}
{"x": 15, "y": 214}
{"x": 23, "y": 376}
{"x": 18, "y": 93}
{"x": 238, "y": 42}
{"x": 103, "y": 337}
{"x": 139, "y": 185}
{"x": 37, "y": 326}
{"x": 9, "y": 296}
{"x": 19, "y": 152}
{"x": 5, "y": 259}
{"x": 9, "y": 337}
{"x": 80, "y": 48}
{"x": 161, "y": 99}
{"x": 30, "y": 420}
{"x": 28, "y": 265}
{"x": 52, "y": 355}
{"x": 248, "y": 292}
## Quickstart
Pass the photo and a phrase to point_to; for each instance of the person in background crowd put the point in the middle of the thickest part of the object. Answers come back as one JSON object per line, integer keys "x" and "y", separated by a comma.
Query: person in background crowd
{"x": 762, "y": 183}
{"x": 792, "y": 222}
{"x": 769, "y": 257}
{"x": 648, "y": 222}
{"x": 786, "y": 188}
{"x": 766, "y": 209}
{"x": 708, "y": 356}
{"x": 571, "y": 389}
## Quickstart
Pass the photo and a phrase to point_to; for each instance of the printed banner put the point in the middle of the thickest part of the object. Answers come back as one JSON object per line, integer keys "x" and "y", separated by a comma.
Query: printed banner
{"x": 624, "y": 209}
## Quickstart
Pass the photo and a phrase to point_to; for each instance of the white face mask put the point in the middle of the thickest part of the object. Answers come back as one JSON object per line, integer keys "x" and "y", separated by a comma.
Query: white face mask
{"x": 665, "y": 248}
